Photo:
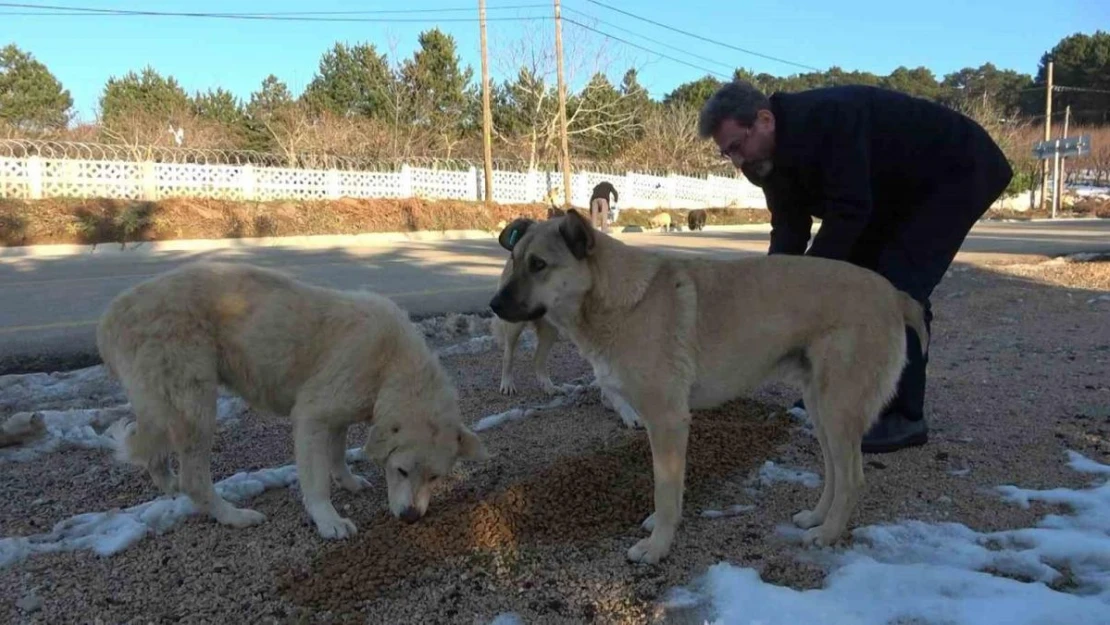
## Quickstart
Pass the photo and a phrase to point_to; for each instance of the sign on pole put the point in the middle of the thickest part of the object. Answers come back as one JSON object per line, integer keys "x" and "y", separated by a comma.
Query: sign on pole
{"x": 1070, "y": 146}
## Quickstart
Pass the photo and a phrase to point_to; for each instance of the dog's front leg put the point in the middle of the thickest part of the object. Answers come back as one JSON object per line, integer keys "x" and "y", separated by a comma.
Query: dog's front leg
{"x": 312, "y": 442}
{"x": 668, "y": 432}
{"x": 337, "y": 455}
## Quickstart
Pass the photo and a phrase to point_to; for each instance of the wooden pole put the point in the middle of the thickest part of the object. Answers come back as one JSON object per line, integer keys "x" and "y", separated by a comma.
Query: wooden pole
{"x": 1047, "y": 134}
{"x": 487, "y": 114}
{"x": 1060, "y": 175}
{"x": 562, "y": 104}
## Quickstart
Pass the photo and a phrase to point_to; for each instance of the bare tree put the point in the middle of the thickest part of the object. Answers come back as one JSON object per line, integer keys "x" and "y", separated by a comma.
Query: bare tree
{"x": 533, "y": 100}
{"x": 670, "y": 142}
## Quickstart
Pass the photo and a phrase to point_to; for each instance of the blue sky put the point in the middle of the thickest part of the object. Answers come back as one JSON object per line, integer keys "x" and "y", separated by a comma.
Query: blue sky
{"x": 871, "y": 35}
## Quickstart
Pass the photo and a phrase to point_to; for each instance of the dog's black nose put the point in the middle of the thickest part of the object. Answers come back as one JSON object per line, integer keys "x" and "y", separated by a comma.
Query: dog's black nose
{"x": 410, "y": 515}
{"x": 497, "y": 305}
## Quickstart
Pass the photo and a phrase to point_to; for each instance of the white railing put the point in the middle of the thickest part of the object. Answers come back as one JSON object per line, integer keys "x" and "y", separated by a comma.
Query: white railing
{"x": 37, "y": 177}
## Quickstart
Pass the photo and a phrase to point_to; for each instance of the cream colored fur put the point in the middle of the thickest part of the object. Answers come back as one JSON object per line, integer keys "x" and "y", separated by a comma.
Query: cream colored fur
{"x": 325, "y": 358}
{"x": 669, "y": 335}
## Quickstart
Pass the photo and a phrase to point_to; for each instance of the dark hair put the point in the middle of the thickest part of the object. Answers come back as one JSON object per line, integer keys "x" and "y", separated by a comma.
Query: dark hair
{"x": 738, "y": 100}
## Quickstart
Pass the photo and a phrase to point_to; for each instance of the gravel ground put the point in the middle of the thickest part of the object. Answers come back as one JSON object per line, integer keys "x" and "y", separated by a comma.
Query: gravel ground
{"x": 1019, "y": 370}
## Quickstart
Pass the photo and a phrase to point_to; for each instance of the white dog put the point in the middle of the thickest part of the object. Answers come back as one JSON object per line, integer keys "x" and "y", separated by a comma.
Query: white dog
{"x": 326, "y": 358}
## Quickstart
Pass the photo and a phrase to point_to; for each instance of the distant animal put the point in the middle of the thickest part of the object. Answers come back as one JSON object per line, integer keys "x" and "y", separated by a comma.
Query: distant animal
{"x": 661, "y": 221}
{"x": 666, "y": 335}
{"x": 325, "y": 358}
{"x": 695, "y": 220}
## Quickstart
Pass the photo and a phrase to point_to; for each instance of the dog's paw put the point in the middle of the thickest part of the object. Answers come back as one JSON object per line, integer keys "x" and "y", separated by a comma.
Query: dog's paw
{"x": 240, "y": 517}
{"x": 548, "y": 386}
{"x": 820, "y": 536}
{"x": 647, "y": 551}
{"x": 508, "y": 386}
{"x": 631, "y": 420}
{"x": 353, "y": 483}
{"x": 807, "y": 519}
{"x": 335, "y": 528}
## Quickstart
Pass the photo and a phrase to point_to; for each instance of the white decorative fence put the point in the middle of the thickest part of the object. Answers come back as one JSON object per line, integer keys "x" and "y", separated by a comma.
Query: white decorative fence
{"x": 36, "y": 177}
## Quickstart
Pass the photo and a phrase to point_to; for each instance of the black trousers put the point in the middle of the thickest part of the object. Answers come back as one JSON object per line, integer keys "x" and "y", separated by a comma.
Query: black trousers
{"x": 914, "y": 247}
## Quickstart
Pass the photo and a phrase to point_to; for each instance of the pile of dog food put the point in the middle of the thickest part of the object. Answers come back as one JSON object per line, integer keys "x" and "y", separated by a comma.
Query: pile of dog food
{"x": 488, "y": 521}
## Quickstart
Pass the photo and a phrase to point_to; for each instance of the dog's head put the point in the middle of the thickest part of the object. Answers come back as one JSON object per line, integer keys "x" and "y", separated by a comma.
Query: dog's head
{"x": 415, "y": 455}
{"x": 550, "y": 271}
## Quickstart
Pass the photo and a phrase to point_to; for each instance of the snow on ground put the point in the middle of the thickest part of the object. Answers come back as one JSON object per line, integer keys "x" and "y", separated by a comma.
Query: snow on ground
{"x": 110, "y": 532}
{"x": 1055, "y": 573}
{"x": 90, "y": 428}
{"x": 771, "y": 473}
{"x": 90, "y": 387}
{"x": 568, "y": 394}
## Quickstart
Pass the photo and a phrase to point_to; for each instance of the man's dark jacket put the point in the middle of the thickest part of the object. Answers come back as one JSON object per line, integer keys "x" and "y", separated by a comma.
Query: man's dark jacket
{"x": 603, "y": 190}
{"x": 846, "y": 154}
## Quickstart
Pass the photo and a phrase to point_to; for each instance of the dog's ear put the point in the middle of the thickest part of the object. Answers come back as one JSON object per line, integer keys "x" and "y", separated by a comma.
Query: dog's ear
{"x": 514, "y": 232}
{"x": 376, "y": 446}
{"x": 470, "y": 446}
{"x": 578, "y": 234}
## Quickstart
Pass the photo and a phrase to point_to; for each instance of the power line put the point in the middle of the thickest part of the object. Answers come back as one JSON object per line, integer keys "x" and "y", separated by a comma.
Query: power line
{"x": 94, "y": 11}
{"x": 629, "y": 43}
{"x": 639, "y": 36}
{"x": 703, "y": 38}
{"x": 306, "y": 16}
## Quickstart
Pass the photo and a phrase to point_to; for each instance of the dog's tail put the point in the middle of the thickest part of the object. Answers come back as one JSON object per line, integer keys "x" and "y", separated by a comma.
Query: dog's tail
{"x": 914, "y": 315}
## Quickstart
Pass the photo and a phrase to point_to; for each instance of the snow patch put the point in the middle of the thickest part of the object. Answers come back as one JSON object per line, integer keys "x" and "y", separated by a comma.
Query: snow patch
{"x": 771, "y": 473}
{"x": 109, "y": 533}
{"x": 453, "y": 326}
{"x": 734, "y": 510}
{"x": 91, "y": 428}
{"x": 91, "y": 387}
{"x": 568, "y": 395}
{"x": 469, "y": 347}
{"x": 942, "y": 574}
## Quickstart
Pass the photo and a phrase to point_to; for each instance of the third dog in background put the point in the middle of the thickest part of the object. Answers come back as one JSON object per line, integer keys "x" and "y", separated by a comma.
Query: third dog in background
{"x": 695, "y": 220}
{"x": 661, "y": 221}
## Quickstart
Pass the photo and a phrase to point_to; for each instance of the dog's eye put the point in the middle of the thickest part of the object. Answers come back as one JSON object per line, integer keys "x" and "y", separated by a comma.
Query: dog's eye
{"x": 536, "y": 264}
{"x": 403, "y": 472}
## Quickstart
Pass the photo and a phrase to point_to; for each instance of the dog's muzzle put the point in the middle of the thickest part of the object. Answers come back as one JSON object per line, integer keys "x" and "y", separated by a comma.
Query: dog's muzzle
{"x": 505, "y": 306}
{"x": 410, "y": 515}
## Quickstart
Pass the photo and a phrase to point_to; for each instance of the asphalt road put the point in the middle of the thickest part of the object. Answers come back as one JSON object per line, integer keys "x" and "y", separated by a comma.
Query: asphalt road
{"x": 49, "y": 305}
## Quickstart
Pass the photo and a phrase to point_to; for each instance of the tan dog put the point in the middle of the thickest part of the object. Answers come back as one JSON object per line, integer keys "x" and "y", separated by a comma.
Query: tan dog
{"x": 661, "y": 221}
{"x": 326, "y": 358}
{"x": 668, "y": 335}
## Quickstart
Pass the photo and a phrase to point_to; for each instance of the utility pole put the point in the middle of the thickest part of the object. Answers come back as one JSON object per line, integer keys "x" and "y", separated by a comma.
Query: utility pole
{"x": 562, "y": 104}
{"x": 1059, "y": 191}
{"x": 1047, "y": 134}
{"x": 487, "y": 115}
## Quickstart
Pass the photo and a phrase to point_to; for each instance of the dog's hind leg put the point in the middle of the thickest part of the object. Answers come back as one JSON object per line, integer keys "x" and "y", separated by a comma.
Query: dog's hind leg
{"x": 812, "y": 518}
{"x": 337, "y": 455}
{"x": 668, "y": 431}
{"x": 546, "y": 334}
{"x": 847, "y": 461}
{"x": 511, "y": 335}
{"x": 194, "y": 398}
{"x": 145, "y": 442}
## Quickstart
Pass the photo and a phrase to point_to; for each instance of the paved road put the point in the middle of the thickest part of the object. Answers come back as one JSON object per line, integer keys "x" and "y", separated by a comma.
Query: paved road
{"x": 49, "y": 306}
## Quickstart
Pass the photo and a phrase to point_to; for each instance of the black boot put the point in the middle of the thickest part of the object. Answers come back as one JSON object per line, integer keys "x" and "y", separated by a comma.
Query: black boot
{"x": 895, "y": 431}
